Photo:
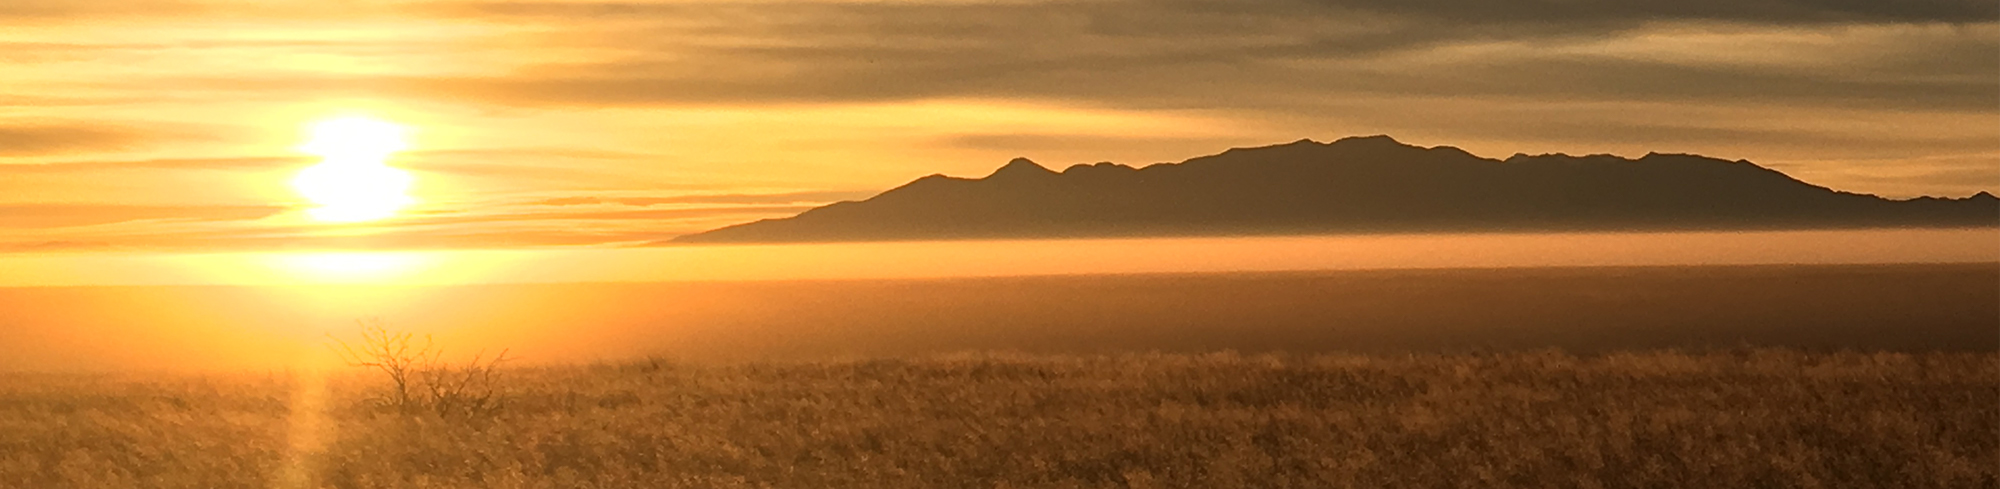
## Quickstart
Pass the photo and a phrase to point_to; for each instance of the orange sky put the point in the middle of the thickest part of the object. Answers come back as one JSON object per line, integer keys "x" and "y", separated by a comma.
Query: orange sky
{"x": 175, "y": 124}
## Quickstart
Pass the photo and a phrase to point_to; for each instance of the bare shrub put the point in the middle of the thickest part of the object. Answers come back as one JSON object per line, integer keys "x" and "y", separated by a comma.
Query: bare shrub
{"x": 465, "y": 389}
{"x": 420, "y": 380}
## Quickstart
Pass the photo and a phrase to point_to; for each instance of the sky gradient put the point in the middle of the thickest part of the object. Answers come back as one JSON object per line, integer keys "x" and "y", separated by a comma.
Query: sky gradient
{"x": 174, "y": 125}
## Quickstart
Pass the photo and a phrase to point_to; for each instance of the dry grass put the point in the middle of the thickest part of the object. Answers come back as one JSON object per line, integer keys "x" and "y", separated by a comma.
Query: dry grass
{"x": 1748, "y": 418}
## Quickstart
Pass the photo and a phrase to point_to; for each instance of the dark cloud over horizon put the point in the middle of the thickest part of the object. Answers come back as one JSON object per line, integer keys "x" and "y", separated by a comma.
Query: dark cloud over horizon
{"x": 1537, "y": 11}
{"x": 1247, "y": 55}
{"x": 1273, "y": 55}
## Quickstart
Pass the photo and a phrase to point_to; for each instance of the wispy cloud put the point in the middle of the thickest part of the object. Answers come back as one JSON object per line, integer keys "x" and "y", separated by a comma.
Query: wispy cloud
{"x": 223, "y": 163}
{"x": 1462, "y": 11}
{"x": 1929, "y": 55}
{"x": 775, "y": 198}
{"x": 41, "y": 139}
{"x": 1205, "y": 56}
{"x": 71, "y": 215}
{"x": 70, "y": 10}
{"x": 85, "y": 227}
{"x": 1039, "y": 142}
{"x": 644, "y": 215}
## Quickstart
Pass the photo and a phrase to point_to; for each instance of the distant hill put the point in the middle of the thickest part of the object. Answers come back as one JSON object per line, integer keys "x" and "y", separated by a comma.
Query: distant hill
{"x": 1361, "y": 184}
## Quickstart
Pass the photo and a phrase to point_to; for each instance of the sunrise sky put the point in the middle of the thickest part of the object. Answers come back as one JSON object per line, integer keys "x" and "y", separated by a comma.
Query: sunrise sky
{"x": 179, "y": 125}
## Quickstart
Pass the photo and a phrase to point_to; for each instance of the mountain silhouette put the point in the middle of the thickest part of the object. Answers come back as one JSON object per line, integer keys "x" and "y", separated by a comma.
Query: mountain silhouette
{"x": 1359, "y": 184}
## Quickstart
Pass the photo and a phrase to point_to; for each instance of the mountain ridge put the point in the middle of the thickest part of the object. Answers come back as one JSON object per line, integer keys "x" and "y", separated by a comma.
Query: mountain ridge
{"x": 1350, "y": 185}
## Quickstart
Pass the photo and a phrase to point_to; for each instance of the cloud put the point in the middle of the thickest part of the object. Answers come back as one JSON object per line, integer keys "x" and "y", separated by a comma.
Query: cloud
{"x": 23, "y": 136}
{"x": 221, "y": 163}
{"x": 1201, "y": 55}
{"x": 1917, "y": 55}
{"x": 565, "y": 153}
{"x": 19, "y": 216}
{"x": 76, "y": 227}
{"x": 1750, "y": 11}
{"x": 15, "y": 100}
{"x": 1615, "y": 79}
{"x": 1472, "y": 11}
{"x": 55, "y": 10}
{"x": 84, "y": 11}
{"x": 1027, "y": 143}
{"x": 462, "y": 162}
{"x": 559, "y": 219}
{"x": 43, "y": 139}
{"x": 414, "y": 240}
{"x": 1669, "y": 133}
{"x": 774, "y": 198}
{"x": 542, "y": 167}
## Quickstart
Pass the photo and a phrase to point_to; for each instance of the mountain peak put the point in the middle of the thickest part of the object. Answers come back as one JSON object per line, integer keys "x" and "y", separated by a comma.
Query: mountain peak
{"x": 1102, "y": 166}
{"x": 1020, "y": 167}
{"x": 1378, "y": 140}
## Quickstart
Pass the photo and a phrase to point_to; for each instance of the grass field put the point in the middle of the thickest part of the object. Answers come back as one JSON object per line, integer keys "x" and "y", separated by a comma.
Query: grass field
{"x": 1721, "y": 418}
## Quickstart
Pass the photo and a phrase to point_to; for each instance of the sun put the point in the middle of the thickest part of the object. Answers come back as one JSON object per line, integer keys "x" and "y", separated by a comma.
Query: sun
{"x": 354, "y": 182}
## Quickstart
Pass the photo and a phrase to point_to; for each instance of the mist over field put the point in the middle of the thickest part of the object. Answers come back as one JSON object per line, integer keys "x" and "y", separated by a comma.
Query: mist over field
{"x": 1861, "y": 307}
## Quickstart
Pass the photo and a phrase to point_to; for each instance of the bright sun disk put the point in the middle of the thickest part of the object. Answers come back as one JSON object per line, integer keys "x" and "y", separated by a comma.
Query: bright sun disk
{"x": 353, "y": 182}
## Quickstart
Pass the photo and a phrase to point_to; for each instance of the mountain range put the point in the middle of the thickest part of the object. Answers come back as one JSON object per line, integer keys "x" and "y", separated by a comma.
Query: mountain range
{"x": 1355, "y": 185}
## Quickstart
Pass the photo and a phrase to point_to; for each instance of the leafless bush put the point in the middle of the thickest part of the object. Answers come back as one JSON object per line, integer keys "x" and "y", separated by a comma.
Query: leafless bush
{"x": 466, "y": 389}
{"x": 420, "y": 380}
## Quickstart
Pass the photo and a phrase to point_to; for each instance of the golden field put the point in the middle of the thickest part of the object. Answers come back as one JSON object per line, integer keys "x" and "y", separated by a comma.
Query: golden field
{"x": 1656, "y": 418}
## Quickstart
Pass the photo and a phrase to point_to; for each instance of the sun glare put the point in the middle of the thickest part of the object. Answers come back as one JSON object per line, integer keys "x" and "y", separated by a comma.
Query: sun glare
{"x": 353, "y": 181}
